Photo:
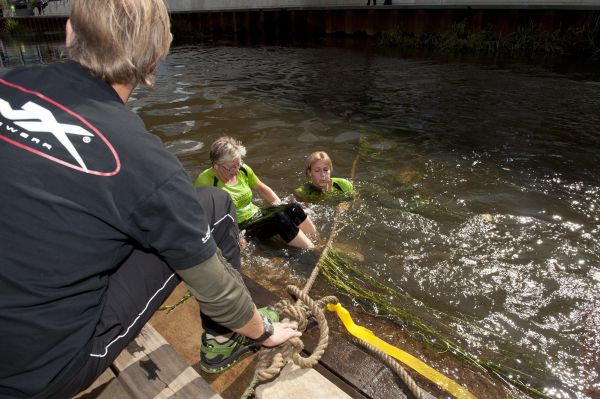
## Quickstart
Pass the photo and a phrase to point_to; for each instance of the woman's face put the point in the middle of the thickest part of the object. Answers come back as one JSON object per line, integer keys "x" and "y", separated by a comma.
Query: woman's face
{"x": 229, "y": 169}
{"x": 320, "y": 174}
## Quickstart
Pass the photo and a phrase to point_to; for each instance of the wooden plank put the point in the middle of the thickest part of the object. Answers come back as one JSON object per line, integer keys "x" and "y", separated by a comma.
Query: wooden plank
{"x": 150, "y": 368}
{"x": 107, "y": 386}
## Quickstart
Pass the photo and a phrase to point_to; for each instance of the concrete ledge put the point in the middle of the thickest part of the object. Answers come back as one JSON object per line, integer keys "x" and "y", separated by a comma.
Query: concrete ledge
{"x": 297, "y": 383}
{"x": 63, "y": 7}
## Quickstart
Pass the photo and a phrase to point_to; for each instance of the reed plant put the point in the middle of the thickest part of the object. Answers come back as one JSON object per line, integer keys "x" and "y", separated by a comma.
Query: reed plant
{"x": 12, "y": 27}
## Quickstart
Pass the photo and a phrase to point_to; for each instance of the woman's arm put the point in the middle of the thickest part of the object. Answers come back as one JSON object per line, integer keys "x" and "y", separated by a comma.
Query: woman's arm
{"x": 267, "y": 193}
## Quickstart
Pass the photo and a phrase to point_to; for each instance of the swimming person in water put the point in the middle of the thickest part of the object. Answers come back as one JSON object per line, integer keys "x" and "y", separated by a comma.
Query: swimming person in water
{"x": 228, "y": 172}
{"x": 321, "y": 185}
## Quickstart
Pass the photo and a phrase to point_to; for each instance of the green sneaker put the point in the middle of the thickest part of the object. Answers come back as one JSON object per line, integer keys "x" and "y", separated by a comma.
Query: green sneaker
{"x": 216, "y": 357}
{"x": 270, "y": 312}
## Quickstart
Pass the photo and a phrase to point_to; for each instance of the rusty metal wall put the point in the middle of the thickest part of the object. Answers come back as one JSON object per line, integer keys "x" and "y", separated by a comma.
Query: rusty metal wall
{"x": 320, "y": 22}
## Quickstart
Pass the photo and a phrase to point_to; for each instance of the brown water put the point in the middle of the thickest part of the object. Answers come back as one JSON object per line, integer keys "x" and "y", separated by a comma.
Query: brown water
{"x": 478, "y": 181}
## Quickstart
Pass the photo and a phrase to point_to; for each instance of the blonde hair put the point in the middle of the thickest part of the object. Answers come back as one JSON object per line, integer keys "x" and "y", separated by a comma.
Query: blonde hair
{"x": 122, "y": 41}
{"x": 226, "y": 149}
{"x": 314, "y": 157}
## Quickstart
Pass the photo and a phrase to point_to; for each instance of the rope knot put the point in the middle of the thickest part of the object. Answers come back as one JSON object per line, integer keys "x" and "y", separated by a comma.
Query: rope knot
{"x": 272, "y": 360}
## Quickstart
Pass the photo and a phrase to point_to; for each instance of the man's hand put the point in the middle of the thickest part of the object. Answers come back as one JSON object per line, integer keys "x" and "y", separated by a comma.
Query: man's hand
{"x": 282, "y": 332}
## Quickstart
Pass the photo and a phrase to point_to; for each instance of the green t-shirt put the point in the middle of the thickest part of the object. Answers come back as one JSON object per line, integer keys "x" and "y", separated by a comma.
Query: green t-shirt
{"x": 240, "y": 192}
{"x": 341, "y": 189}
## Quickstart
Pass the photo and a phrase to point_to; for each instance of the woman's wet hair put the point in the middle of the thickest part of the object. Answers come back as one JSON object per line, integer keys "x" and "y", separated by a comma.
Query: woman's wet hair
{"x": 314, "y": 157}
{"x": 121, "y": 41}
{"x": 226, "y": 149}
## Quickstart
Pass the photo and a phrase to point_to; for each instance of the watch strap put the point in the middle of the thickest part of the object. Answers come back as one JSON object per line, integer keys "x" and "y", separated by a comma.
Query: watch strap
{"x": 268, "y": 329}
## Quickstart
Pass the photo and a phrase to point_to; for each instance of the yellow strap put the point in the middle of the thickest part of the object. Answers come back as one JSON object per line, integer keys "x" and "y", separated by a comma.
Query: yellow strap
{"x": 367, "y": 335}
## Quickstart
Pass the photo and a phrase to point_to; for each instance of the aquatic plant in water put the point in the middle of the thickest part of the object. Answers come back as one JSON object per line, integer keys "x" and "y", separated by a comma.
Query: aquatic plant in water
{"x": 421, "y": 320}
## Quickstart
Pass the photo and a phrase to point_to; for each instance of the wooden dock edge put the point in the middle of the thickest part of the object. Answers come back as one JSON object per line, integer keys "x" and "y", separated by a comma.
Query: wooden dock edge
{"x": 149, "y": 367}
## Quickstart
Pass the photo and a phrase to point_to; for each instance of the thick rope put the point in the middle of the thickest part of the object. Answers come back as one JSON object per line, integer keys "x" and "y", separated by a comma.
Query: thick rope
{"x": 272, "y": 360}
{"x": 342, "y": 208}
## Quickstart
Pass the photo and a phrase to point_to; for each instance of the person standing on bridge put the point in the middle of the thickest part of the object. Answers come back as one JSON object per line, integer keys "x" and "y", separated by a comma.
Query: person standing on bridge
{"x": 40, "y": 5}
{"x": 98, "y": 221}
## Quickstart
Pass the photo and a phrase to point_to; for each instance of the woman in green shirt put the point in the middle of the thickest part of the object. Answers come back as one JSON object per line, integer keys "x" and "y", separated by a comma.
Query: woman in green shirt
{"x": 229, "y": 173}
{"x": 321, "y": 185}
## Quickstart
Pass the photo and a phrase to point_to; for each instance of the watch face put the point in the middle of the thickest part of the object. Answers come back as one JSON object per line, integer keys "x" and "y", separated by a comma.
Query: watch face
{"x": 268, "y": 325}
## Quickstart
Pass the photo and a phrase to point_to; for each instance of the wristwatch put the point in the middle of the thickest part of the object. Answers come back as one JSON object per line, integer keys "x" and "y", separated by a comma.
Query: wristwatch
{"x": 268, "y": 327}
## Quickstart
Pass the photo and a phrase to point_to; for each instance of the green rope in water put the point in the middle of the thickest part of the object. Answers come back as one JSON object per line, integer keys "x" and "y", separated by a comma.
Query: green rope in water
{"x": 169, "y": 308}
{"x": 361, "y": 286}
{"x": 250, "y": 390}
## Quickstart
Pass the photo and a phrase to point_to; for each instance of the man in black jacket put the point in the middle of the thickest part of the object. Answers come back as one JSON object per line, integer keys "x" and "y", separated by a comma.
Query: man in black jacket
{"x": 98, "y": 221}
